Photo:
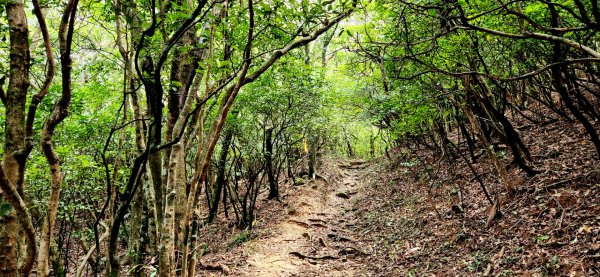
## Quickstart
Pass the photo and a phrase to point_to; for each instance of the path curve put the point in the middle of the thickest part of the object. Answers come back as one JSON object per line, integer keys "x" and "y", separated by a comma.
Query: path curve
{"x": 314, "y": 238}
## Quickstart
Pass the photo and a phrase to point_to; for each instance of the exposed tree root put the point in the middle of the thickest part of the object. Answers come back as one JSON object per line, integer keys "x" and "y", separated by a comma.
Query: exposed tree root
{"x": 302, "y": 256}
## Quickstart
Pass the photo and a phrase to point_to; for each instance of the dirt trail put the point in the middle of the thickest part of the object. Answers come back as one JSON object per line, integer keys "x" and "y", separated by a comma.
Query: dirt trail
{"x": 315, "y": 237}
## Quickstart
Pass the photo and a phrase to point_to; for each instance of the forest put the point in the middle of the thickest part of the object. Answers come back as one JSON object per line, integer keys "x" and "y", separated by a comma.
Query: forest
{"x": 299, "y": 138}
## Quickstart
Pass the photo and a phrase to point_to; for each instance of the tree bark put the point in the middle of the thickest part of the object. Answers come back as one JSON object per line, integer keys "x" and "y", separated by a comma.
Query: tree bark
{"x": 226, "y": 143}
{"x": 273, "y": 187}
{"x": 59, "y": 113}
{"x": 12, "y": 183}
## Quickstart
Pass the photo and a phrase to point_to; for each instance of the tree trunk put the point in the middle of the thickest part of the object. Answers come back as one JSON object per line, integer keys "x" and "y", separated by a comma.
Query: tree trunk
{"x": 132, "y": 102}
{"x": 226, "y": 143}
{"x": 564, "y": 94}
{"x": 372, "y": 143}
{"x": 60, "y": 111}
{"x": 349, "y": 147}
{"x": 488, "y": 148}
{"x": 167, "y": 244}
{"x": 8, "y": 245}
{"x": 312, "y": 157}
{"x": 12, "y": 185}
{"x": 273, "y": 188}
{"x": 511, "y": 136}
{"x": 559, "y": 85}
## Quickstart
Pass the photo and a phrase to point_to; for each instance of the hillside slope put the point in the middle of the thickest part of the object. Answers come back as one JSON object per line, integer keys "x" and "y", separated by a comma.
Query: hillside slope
{"x": 397, "y": 217}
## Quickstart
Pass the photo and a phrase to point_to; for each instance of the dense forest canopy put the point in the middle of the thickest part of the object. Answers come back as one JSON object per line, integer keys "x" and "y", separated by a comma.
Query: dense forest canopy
{"x": 130, "y": 125}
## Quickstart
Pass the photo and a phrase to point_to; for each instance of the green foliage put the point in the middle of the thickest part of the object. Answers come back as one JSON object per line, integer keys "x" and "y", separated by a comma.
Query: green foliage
{"x": 240, "y": 238}
{"x": 478, "y": 261}
{"x": 392, "y": 72}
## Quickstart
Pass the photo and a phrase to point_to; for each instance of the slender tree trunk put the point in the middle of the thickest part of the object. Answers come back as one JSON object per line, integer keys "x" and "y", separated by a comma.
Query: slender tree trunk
{"x": 135, "y": 234}
{"x": 273, "y": 188}
{"x": 184, "y": 97}
{"x": 47, "y": 244}
{"x": 488, "y": 148}
{"x": 312, "y": 156}
{"x": 349, "y": 147}
{"x": 372, "y": 139}
{"x": 167, "y": 244}
{"x": 59, "y": 113}
{"x": 564, "y": 94}
{"x": 154, "y": 138}
{"x": 326, "y": 41}
{"x": 112, "y": 205}
{"x": 479, "y": 132}
{"x": 226, "y": 143}
{"x": 559, "y": 84}
{"x": 510, "y": 134}
{"x": 175, "y": 183}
